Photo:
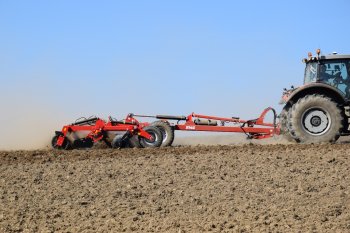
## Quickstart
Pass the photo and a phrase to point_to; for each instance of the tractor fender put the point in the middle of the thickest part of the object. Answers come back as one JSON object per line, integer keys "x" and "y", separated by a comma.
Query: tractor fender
{"x": 315, "y": 88}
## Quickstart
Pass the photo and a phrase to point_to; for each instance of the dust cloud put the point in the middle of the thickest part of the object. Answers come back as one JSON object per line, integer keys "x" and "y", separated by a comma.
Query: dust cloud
{"x": 27, "y": 126}
{"x": 28, "y": 116}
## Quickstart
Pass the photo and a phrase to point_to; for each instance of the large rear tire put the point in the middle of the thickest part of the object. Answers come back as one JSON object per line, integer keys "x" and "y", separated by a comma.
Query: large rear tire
{"x": 284, "y": 130}
{"x": 315, "y": 119}
{"x": 167, "y": 132}
{"x": 156, "y": 134}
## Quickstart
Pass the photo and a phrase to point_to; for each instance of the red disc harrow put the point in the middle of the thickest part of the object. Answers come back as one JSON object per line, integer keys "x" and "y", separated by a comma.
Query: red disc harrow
{"x": 133, "y": 133}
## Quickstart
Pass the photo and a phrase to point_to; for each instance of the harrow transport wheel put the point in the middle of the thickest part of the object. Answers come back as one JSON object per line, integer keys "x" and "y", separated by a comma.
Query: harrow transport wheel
{"x": 65, "y": 146}
{"x": 157, "y": 137}
{"x": 284, "y": 126}
{"x": 315, "y": 119}
{"x": 167, "y": 132}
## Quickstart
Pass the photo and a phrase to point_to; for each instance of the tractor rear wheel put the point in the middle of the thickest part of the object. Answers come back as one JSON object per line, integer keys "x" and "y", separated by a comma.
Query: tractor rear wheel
{"x": 315, "y": 119}
{"x": 156, "y": 135}
{"x": 167, "y": 132}
{"x": 284, "y": 126}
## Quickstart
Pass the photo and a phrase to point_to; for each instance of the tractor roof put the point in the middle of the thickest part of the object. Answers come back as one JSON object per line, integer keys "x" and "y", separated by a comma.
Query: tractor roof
{"x": 334, "y": 56}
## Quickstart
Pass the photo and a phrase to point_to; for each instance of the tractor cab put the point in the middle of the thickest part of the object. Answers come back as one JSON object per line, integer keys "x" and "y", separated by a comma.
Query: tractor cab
{"x": 333, "y": 70}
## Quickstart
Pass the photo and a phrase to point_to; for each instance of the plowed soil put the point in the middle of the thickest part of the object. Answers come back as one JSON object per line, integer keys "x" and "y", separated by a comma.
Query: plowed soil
{"x": 228, "y": 188}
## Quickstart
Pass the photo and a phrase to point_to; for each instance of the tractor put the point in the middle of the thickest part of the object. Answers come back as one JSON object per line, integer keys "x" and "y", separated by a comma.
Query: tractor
{"x": 319, "y": 110}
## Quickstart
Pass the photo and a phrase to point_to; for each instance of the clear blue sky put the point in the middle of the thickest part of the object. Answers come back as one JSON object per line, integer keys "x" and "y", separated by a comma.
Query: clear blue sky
{"x": 60, "y": 60}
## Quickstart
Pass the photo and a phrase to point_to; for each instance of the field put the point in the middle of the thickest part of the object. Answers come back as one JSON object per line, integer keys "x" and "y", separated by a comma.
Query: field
{"x": 216, "y": 188}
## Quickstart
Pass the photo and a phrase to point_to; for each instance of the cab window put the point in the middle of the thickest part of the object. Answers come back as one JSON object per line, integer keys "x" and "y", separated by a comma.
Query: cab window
{"x": 310, "y": 72}
{"x": 335, "y": 73}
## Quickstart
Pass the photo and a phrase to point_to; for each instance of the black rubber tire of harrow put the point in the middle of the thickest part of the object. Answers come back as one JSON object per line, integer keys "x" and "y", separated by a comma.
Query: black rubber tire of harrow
{"x": 155, "y": 132}
{"x": 323, "y": 103}
{"x": 65, "y": 146}
{"x": 284, "y": 130}
{"x": 167, "y": 132}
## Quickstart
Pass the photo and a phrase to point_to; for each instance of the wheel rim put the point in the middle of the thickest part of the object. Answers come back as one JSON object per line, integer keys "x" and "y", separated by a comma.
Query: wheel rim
{"x": 316, "y": 121}
{"x": 154, "y": 136}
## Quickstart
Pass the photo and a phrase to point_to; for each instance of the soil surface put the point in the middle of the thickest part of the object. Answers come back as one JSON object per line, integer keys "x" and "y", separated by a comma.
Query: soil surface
{"x": 227, "y": 188}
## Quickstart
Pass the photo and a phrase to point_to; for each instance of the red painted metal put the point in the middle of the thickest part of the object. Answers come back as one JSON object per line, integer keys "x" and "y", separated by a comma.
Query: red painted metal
{"x": 99, "y": 127}
{"x": 265, "y": 130}
{"x": 255, "y": 128}
{"x": 60, "y": 140}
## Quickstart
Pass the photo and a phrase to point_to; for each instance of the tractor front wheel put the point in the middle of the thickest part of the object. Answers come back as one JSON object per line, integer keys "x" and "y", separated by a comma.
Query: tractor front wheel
{"x": 315, "y": 119}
